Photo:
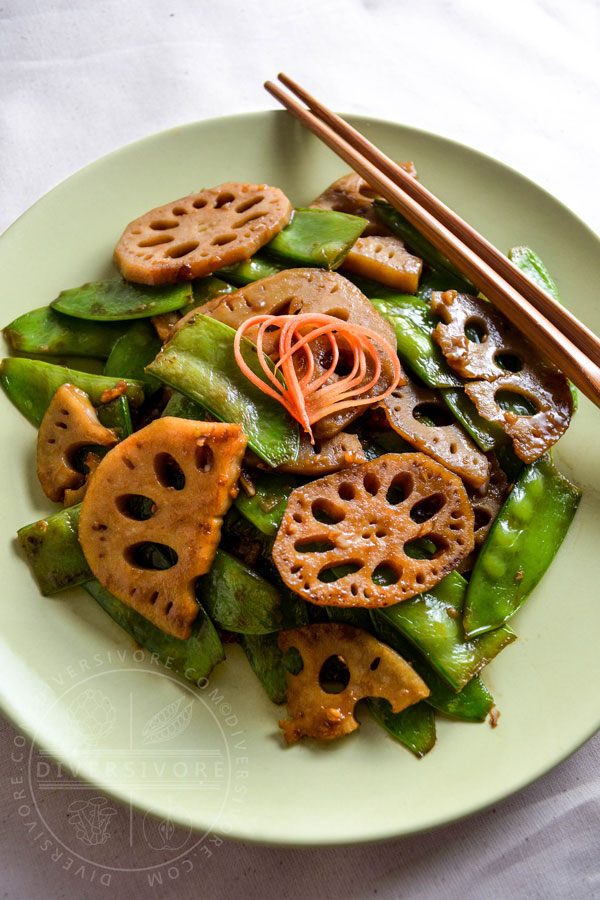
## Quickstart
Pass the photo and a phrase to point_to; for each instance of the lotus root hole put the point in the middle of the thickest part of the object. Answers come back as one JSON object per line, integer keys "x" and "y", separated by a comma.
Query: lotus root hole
{"x": 245, "y": 205}
{"x": 181, "y": 249}
{"x": 297, "y": 517}
{"x": 169, "y": 472}
{"x": 427, "y": 508}
{"x": 151, "y": 556}
{"x": 509, "y": 361}
{"x": 515, "y": 402}
{"x": 325, "y": 512}
{"x": 180, "y": 211}
{"x": 200, "y": 203}
{"x": 347, "y": 491}
{"x": 156, "y": 240}
{"x": 435, "y": 415}
{"x": 385, "y": 574}
{"x": 400, "y": 488}
{"x": 223, "y": 239}
{"x": 153, "y": 598}
{"x": 314, "y": 546}
{"x": 204, "y": 458}
{"x": 136, "y": 506}
{"x": 337, "y": 570}
{"x": 224, "y": 199}
{"x": 342, "y": 314}
{"x": 375, "y": 664}
{"x": 371, "y": 483}
{"x": 334, "y": 675}
{"x": 482, "y": 517}
{"x": 163, "y": 224}
{"x": 476, "y": 330}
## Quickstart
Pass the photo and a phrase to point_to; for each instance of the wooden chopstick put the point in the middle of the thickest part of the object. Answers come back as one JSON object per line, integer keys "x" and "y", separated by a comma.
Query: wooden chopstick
{"x": 436, "y": 222}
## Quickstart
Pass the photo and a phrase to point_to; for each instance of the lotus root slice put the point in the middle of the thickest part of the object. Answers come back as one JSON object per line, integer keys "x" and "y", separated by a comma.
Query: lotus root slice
{"x": 296, "y": 291}
{"x": 192, "y": 237}
{"x": 70, "y": 423}
{"x": 344, "y": 538}
{"x": 374, "y": 669}
{"x": 385, "y": 259}
{"x": 322, "y": 458}
{"x": 187, "y": 473}
{"x": 352, "y": 194}
{"x": 527, "y": 375}
{"x": 449, "y": 444}
{"x": 486, "y": 503}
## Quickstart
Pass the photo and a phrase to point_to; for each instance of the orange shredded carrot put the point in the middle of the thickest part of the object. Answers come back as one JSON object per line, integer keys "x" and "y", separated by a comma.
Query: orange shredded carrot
{"x": 306, "y": 398}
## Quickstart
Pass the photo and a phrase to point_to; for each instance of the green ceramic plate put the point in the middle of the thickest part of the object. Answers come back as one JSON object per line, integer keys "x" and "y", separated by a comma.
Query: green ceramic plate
{"x": 214, "y": 757}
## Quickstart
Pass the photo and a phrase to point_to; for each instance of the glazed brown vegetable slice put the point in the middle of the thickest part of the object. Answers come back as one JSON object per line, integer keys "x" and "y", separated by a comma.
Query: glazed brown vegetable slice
{"x": 486, "y": 503}
{"x": 322, "y": 458}
{"x": 295, "y": 291}
{"x": 352, "y": 194}
{"x": 385, "y": 259}
{"x": 369, "y": 668}
{"x": 515, "y": 387}
{"x": 200, "y": 233}
{"x": 345, "y": 540}
{"x": 70, "y": 423}
{"x": 449, "y": 444}
{"x": 159, "y": 498}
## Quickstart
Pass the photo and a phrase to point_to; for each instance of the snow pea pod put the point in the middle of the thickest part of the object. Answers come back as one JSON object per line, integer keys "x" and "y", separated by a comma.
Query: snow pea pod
{"x": 239, "y": 599}
{"x": 183, "y": 408}
{"x": 250, "y": 270}
{"x": 422, "y": 247}
{"x": 315, "y": 237}
{"x": 193, "y": 659}
{"x": 116, "y": 415}
{"x": 471, "y": 704}
{"x": 522, "y": 543}
{"x": 53, "y": 551}
{"x": 30, "y": 384}
{"x": 266, "y": 507}
{"x": 431, "y": 621}
{"x": 204, "y": 289}
{"x": 266, "y": 660}
{"x": 116, "y": 299}
{"x": 132, "y": 353}
{"x": 51, "y": 333}
{"x": 199, "y": 362}
{"x": 414, "y": 726}
{"x": 487, "y": 435}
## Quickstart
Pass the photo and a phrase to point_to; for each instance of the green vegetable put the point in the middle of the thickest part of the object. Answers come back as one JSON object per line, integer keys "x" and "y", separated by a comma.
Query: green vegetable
{"x": 521, "y": 545}
{"x": 204, "y": 289}
{"x": 316, "y": 237}
{"x": 199, "y": 362}
{"x": 266, "y": 660}
{"x": 49, "y": 332}
{"x": 530, "y": 263}
{"x": 487, "y": 435}
{"x": 194, "y": 658}
{"x": 116, "y": 415}
{"x": 250, "y": 270}
{"x": 414, "y": 343}
{"x": 238, "y": 599}
{"x": 183, "y": 408}
{"x": 471, "y": 704}
{"x": 53, "y": 552}
{"x": 414, "y": 726}
{"x": 423, "y": 248}
{"x": 30, "y": 384}
{"x": 116, "y": 298}
{"x": 132, "y": 353}
{"x": 431, "y": 621}
{"x": 266, "y": 508}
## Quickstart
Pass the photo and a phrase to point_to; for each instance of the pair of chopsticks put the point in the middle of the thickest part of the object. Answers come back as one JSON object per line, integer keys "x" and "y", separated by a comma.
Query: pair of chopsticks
{"x": 556, "y": 332}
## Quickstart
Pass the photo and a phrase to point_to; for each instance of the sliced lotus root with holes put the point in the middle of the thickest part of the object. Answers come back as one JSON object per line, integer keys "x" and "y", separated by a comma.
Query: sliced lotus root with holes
{"x": 373, "y": 670}
{"x": 308, "y": 291}
{"x": 546, "y": 390}
{"x": 186, "y": 473}
{"x": 331, "y": 455}
{"x": 70, "y": 423}
{"x": 194, "y": 236}
{"x": 352, "y": 194}
{"x": 447, "y": 443}
{"x": 385, "y": 259}
{"x": 343, "y": 537}
{"x": 486, "y": 504}
{"x": 524, "y": 373}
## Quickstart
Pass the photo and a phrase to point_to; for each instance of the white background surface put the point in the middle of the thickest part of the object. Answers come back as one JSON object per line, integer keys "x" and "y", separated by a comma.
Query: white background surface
{"x": 518, "y": 80}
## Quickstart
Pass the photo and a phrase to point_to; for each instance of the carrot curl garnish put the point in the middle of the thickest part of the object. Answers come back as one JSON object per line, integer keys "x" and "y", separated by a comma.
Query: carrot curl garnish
{"x": 308, "y": 398}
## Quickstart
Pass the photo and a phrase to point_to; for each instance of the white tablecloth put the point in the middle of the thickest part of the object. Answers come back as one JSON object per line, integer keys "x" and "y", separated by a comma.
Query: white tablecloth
{"x": 518, "y": 80}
